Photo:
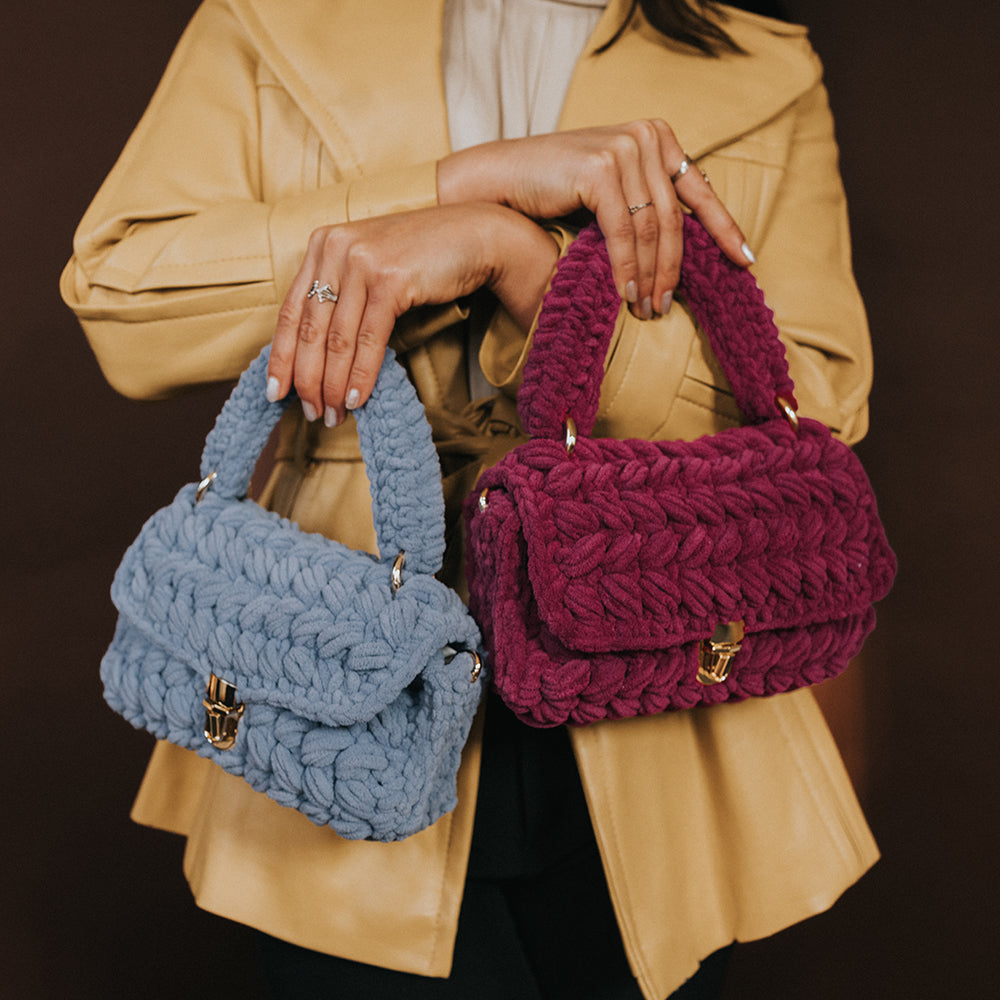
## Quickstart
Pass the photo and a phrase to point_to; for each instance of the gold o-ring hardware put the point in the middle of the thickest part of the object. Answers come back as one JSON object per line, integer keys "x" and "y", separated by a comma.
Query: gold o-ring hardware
{"x": 199, "y": 494}
{"x": 789, "y": 412}
{"x": 477, "y": 666}
{"x": 570, "y": 435}
{"x": 397, "y": 571}
{"x": 484, "y": 500}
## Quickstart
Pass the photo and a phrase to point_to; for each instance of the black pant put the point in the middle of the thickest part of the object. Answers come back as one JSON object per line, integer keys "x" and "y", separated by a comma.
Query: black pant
{"x": 536, "y": 921}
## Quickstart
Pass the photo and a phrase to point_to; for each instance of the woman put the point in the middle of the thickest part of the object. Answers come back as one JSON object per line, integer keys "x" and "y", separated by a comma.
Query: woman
{"x": 293, "y": 147}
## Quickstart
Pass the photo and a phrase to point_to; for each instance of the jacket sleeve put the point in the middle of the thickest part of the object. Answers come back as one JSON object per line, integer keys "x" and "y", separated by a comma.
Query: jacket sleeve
{"x": 180, "y": 263}
{"x": 805, "y": 269}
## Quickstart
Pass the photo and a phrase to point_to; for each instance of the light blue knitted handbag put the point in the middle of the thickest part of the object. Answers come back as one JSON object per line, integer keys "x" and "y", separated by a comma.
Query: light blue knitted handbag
{"x": 338, "y": 683}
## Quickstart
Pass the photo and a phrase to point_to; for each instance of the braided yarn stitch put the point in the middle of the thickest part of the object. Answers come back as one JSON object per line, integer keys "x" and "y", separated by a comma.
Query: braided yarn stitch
{"x": 357, "y": 707}
{"x": 597, "y": 575}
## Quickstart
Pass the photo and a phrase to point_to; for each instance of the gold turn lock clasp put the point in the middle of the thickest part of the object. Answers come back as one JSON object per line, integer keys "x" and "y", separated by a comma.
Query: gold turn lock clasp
{"x": 716, "y": 655}
{"x": 222, "y": 714}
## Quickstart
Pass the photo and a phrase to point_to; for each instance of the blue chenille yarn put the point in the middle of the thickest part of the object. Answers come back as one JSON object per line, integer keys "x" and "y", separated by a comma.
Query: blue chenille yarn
{"x": 356, "y": 708}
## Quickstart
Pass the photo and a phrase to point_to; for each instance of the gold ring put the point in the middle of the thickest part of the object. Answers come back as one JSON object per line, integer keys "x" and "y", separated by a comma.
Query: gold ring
{"x": 632, "y": 209}
{"x": 686, "y": 164}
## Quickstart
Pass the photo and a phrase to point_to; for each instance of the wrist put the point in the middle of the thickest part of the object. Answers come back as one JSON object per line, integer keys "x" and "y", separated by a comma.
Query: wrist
{"x": 523, "y": 260}
{"x": 462, "y": 177}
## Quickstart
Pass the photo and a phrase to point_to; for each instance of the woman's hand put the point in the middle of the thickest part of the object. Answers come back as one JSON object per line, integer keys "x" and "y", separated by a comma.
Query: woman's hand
{"x": 358, "y": 278}
{"x": 607, "y": 170}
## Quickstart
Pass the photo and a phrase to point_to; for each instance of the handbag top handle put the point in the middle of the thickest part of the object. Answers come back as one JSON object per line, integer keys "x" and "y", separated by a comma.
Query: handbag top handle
{"x": 565, "y": 367}
{"x": 399, "y": 454}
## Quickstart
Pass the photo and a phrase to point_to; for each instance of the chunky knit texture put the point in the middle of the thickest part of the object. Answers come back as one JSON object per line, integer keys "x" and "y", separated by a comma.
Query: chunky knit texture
{"x": 595, "y": 576}
{"x": 353, "y": 716}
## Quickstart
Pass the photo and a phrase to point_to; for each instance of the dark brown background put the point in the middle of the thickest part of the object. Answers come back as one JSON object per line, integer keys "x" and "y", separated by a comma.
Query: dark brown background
{"x": 94, "y": 907}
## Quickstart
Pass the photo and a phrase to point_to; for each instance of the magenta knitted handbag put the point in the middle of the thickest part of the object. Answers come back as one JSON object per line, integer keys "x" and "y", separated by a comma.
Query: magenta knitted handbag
{"x": 619, "y": 578}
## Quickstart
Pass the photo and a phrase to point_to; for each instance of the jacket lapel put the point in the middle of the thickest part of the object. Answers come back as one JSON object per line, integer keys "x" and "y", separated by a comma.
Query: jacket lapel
{"x": 641, "y": 77}
{"x": 367, "y": 74}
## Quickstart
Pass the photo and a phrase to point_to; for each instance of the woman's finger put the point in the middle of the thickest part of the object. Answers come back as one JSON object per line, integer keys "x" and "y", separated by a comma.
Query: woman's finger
{"x": 638, "y": 203}
{"x": 321, "y": 301}
{"x": 340, "y": 346}
{"x": 669, "y": 217}
{"x": 374, "y": 331}
{"x": 695, "y": 190}
{"x": 281, "y": 364}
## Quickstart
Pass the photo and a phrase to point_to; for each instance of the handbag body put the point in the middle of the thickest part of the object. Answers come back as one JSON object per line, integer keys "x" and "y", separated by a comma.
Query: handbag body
{"x": 620, "y": 578}
{"x": 338, "y": 683}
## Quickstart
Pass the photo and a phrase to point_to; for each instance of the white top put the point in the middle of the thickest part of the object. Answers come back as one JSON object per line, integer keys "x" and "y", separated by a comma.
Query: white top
{"x": 507, "y": 64}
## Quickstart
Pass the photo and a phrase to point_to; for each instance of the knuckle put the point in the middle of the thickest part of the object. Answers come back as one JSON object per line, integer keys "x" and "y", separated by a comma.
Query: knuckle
{"x": 371, "y": 350}
{"x": 665, "y": 130}
{"x": 624, "y": 145}
{"x": 669, "y": 267}
{"x": 369, "y": 339}
{"x": 621, "y": 232}
{"x": 358, "y": 256}
{"x": 310, "y": 332}
{"x": 644, "y": 131}
{"x": 317, "y": 239}
{"x": 672, "y": 221}
{"x": 287, "y": 315}
{"x": 604, "y": 163}
{"x": 331, "y": 239}
{"x": 647, "y": 229}
{"x": 339, "y": 342}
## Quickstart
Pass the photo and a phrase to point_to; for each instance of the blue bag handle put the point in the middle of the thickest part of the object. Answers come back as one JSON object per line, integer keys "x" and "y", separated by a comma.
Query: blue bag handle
{"x": 402, "y": 464}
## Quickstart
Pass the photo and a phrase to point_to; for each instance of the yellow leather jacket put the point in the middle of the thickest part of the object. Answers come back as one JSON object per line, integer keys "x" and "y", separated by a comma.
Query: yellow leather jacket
{"x": 274, "y": 118}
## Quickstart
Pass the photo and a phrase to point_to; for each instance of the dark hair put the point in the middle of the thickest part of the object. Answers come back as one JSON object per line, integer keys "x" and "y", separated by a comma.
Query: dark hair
{"x": 697, "y": 23}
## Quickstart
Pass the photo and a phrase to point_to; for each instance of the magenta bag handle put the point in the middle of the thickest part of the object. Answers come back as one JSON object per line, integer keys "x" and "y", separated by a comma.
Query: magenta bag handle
{"x": 565, "y": 367}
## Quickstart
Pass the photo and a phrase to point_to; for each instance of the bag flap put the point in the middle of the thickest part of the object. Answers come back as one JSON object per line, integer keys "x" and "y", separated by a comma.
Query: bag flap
{"x": 293, "y": 619}
{"x": 633, "y": 545}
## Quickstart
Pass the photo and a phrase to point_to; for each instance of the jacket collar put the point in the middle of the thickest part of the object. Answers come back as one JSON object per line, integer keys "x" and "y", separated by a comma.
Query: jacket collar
{"x": 368, "y": 76}
{"x": 641, "y": 77}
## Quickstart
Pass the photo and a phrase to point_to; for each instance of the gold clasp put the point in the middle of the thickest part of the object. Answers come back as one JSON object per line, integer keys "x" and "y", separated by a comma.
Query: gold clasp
{"x": 222, "y": 714}
{"x": 715, "y": 655}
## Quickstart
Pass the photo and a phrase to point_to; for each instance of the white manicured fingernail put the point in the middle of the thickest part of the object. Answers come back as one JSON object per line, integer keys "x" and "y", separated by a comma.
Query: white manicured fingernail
{"x": 646, "y": 309}
{"x": 631, "y": 292}
{"x": 748, "y": 253}
{"x": 352, "y": 399}
{"x": 330, "y": 417}
{"x": 309, "y": 410}
{"x": 666, "y": 303}
{"x": 273, "y": 388}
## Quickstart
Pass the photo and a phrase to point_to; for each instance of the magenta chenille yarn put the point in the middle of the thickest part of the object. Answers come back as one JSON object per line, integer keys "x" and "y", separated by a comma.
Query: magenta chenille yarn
{"x": 597, "y": 576}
